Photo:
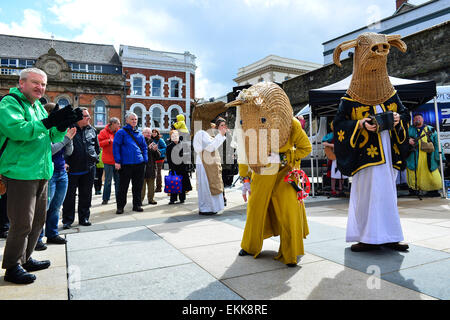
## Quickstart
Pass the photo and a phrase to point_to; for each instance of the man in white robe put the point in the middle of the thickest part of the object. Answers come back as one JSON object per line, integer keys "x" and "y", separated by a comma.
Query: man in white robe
{"x": 373, "y": 217}
{"x": 208, "y": 204}
{"x": 207, "y": 158}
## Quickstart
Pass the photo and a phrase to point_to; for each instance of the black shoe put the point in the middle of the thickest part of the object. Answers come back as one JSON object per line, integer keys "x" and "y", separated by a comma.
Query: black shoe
{"x": 40, "y": 246}
{"x": 291, "y": 265}
{"x": 243, "y": 253}
{"x": 172, "y": 202}
{"x": 18, "y": 275}
{"x": 158, "y": 190}
{"x": 98, "y": 192}
{"x": 4, "y": 234}
{"x": 152, "y": 202}
{"x": 138, "y": 209}
{"x": 105, "y": 202}
{"x": 207, "y": 213}
{"x": 398, "y": 246}
{"x": 224, "y": 202}
{"x": 35, "y": 265}
{"x": 85, "y": 223}
{"x": 181, "y": 201}
{"x": 57, "y": 240}
{"x": 119, "y": 211}
{"x": 361, "y": 247}
{"x": 67, "y": 226}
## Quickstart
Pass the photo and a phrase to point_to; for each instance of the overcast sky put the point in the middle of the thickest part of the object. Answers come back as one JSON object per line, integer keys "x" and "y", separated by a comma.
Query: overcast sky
{"x": 224, "y": 35}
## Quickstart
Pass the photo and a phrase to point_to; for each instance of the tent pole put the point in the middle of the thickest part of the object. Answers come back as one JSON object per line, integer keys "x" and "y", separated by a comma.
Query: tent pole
{"x": 444, "y": 193}
{"x": 312, "y": 151}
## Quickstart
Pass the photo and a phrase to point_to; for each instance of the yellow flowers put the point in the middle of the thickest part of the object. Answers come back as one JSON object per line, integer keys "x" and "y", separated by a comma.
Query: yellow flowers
{"x": 372, "y": 151}
{"x": 341, "y": 135}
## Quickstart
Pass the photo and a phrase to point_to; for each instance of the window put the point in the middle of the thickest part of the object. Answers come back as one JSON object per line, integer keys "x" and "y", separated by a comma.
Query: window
{"x": 138, "y": 112}
{"x": 174, "y": 88}
{"x": 4, "y": 62}
{"x": 156, "y": 88}
{"x": 63, "y": 102}
{"x": 156, "y": 118}
{"x": 100, "y": 113}
{"x": 137, "y": 87}
{"x": 173, "y": 115}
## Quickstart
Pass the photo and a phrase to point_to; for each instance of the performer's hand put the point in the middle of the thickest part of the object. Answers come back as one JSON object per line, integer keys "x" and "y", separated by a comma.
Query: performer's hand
{"x": 117, "y": 166}
{"x": 369, "y": 127}
{"x": 245, "y": 189}
{"x": 396, "y": 118}
{"x": 411, "y": 141}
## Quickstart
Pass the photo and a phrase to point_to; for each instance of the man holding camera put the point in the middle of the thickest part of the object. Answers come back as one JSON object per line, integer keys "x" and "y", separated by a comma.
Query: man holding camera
{"x": 423, "y": 161}
{"x": 26, "y": 134}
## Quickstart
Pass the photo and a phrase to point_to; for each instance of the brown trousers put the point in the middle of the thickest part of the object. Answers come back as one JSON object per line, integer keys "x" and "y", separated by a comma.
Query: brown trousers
{"x": 150, "y": 185}
{"x": 27, "y": 210}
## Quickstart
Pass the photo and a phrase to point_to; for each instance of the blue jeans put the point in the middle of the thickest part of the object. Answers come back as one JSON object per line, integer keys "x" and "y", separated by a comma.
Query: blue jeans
{"x": 57, "y": 188}
{"x": 110, "y": 172}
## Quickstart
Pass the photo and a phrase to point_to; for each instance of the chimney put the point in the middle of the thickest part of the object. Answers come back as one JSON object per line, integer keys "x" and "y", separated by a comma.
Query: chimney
{"x": 398, "y": 3}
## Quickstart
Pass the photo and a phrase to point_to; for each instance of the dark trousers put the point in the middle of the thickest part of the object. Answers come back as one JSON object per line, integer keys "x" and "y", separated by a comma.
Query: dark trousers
{"x": 174, "y": 196}
{"x": 4, "y": 222}
{"x": 84, "y": 185}
{"x": 159, "y": 166}
{"x": 98, "y": 181}
{"x": 135, "y": 173}
{"x": 27, "y": 208}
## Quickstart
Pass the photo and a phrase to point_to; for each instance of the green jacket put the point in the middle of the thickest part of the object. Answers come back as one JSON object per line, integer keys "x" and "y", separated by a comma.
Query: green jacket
{"x": 432, "y": 158}
{"x": 28, "y": 153}
{"x": 100, "y": 163}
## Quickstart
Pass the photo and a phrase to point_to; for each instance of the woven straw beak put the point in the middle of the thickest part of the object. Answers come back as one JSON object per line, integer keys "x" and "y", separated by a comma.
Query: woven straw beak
{"x": 234, "y": 103}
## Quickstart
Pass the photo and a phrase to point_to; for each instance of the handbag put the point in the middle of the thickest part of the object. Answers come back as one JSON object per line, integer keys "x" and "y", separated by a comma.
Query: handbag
{"x": 173, "y": 183}
{"x": 427, "y": 147}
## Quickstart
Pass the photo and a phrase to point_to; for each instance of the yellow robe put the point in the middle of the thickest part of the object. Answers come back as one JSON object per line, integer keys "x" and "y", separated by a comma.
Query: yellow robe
{"x": 273, "y": 208}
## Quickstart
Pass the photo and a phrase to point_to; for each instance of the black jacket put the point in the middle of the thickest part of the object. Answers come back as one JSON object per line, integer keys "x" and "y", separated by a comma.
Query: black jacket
{"x": 85, "y": 150}
{"x": 150, "y": 166}
{"x": 177, "y": 163}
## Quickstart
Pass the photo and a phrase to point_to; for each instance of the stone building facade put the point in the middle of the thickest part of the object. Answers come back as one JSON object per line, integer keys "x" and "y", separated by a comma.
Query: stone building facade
{"x": 160, "y": 85}
{"x": 80, "y": 74}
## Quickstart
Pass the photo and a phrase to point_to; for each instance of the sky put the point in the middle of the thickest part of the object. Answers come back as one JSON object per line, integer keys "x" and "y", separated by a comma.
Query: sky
{"x": 224, "y": 35}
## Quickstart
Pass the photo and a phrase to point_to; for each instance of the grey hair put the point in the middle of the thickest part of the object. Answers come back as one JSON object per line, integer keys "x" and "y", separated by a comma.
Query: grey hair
{"x": 129, "y": 114}
{"x": 114, "y": 120}
{"x": 146, "y": 129}
{"x": 24, "y": 73}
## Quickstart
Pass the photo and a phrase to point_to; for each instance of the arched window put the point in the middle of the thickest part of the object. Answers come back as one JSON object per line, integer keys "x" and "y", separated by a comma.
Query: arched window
{"x": 63, "y": 102}
{"x": 99, "y": 113}
{"x": 156, "y": 118}
{"x": 138, "y": 112}
{"x": 156, "y": 88}
{"x": 173, "y": 115}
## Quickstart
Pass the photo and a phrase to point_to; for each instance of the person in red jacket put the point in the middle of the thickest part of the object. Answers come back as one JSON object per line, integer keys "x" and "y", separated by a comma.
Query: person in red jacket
{"x": 105, "y": 139}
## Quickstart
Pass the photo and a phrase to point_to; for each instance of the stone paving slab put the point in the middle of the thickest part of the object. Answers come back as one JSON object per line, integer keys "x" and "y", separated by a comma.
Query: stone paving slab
{"x": 199, "y": 235}
{"x": 323, "y": 280}
{"x": 432, "y": 278}
{"x": 223, "y": 262}
{"x": 181, "y": 282}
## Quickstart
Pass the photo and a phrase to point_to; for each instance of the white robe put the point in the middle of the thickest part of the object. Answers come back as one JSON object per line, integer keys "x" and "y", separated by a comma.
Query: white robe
{"x": 204, "y": 142}
{"x": 373, "y": 216}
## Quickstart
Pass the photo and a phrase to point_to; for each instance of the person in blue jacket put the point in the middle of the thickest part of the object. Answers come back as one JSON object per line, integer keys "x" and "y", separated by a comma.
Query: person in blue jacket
{"x": 130, "y": 156}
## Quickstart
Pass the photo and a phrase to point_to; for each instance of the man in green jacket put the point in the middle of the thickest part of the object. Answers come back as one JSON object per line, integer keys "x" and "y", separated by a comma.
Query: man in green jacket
{"x": 26, "y": 133}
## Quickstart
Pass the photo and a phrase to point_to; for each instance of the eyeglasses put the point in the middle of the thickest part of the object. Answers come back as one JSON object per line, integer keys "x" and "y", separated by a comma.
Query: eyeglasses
{"x": 86, "y": 116}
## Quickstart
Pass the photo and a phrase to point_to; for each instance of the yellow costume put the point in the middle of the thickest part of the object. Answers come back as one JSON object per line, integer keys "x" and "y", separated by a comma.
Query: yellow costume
{"x": 180, "y": 125}
{"x": 273, "y": 208}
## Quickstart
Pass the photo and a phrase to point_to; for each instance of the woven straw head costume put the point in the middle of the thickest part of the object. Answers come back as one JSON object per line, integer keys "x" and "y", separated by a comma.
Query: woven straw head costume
{"x": 264, "y": 114}
{"x": 204, "y": 114}
{"x": 370, "y": 82}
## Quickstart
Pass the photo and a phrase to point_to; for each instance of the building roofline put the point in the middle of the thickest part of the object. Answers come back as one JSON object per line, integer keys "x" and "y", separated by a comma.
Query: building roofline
{"x": 387, "y": 18}
{"x": 68, "y": 41}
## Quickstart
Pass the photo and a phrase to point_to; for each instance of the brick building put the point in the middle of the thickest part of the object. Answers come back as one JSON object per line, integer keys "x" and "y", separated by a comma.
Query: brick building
{"x": 80, "y": 74}
{"x": 160, "y": 85}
